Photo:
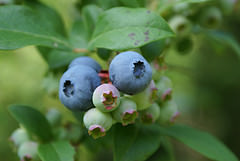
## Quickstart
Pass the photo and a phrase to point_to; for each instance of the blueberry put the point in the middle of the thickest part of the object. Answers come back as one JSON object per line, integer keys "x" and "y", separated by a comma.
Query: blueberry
{"x": 97, "y": 122}
{"x": 54, "y": 117}
{"x": 106, "y": 97}
{"x": 130, "y": 72}
{"x": 169, "y": 112}
{"x": 28, "y": 151}
{"x": 19, "y": 136}
{"x": 85, "y": 60}
{"x": 126, "y": 113}
{"x": 76, "y": 87}
{"x": 180, "y": 24}
{"x": 146, "y": 98}
{"x": 164, "y": 92}
{"x": 151, "y": 114}
{"x": 211, "y": 17}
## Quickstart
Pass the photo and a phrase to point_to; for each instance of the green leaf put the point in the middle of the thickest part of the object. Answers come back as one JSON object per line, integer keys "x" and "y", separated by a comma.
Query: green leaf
{"x": 33, "y": 121}
{"x": 104, "y": 53}
{"x": 199, "y": 141}
{"x": 90, "y": 14}
{"x": 58, "y": 58}
{"x": 153, "y": 50}
{"x": 133, "y": 3}
{"x": 22, "y": 26}
{"x": 126, "y": 28}
{"x": 56, "y": 151}
{"x": 225, "y": 38}
{"x": 133, "y": 143}
{"x": 79, "y": 35}
{"x": 164, "y": 153}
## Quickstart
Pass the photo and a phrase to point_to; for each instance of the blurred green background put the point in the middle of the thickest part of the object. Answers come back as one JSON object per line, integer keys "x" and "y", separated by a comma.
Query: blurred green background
{"x": 206, "y": 86}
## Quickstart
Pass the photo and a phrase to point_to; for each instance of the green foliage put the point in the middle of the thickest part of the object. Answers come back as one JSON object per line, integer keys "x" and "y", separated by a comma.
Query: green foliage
{"x": 104, "y": 28}
{"x": 225, "y": 39}
{"x": 22, "y": 26}
{"x": 56, "y": 151}
{"x": 133, "y": 3}
{"x": 200, "y": 141}
{"x": 130, "y": 28}
{"x": 33, "y": 121}
{"x": 135, "y": 143}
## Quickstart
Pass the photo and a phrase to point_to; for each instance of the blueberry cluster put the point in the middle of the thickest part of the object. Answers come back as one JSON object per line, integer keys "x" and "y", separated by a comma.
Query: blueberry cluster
{"x": 25, "y": 146}
{"x": 128, "y": 95}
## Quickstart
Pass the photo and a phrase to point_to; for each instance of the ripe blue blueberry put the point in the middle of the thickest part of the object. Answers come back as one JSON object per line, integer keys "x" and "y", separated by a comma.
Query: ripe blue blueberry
{"x": 97, "y": 122}
{"x": 85, "y": 60}
{"x": 76, "y": 87}
{"x": 106, "y": 97}
{"x": 130, "y": 72}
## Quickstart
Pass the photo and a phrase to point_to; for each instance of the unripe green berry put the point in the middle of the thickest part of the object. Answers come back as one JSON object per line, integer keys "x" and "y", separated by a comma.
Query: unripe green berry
{"x": 164, "y": 86}
{"x": 28, "y": 151}
{"x": 180, "y": 24}
{"x": 106, "y": 97}
{"x": 151, "y": 114}
{"x": 126, "y": 113}
{"x": 211, "y": 17}
{"x": 54, "y": 117}
{"x": 97, "y": 122}
{"x": 228, "y": 5}
{"x": 19, "y": 136}
{"x": 169, "y": 112}
{"x": 146, "y": 98}
{"x": 184, "y": 45}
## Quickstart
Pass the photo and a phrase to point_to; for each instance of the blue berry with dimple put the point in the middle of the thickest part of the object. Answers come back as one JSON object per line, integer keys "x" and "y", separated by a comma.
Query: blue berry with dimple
{"x": 85, "y": 60}
{"x": 130, "y": 72}
{"x": 77, "y": 86}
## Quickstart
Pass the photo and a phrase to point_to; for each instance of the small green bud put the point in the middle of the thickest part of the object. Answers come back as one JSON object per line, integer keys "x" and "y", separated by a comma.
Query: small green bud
{"x": 54, "y": 117}
{"x": 126, "y": 113}
{"x": 146, "y": 98}
{"x": 169, "y": 112}
{"x": 97, "y": 122}
{"x": 151, "y": 114}
{"x": 28, "y": 151}
{"x": 19, "y": 136}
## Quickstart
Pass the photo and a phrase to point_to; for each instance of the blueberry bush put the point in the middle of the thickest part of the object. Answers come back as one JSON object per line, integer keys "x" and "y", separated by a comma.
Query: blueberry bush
{"x": 109, "y": 70}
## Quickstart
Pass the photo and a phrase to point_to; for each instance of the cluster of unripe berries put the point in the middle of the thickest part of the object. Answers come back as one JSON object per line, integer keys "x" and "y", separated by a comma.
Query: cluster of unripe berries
{"x": 124, "y": 94}
{"x": 26, "y": 144}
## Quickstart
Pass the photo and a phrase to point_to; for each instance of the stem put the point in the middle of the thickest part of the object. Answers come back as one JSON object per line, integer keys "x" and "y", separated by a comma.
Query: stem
{"x": 80, "y": 50}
